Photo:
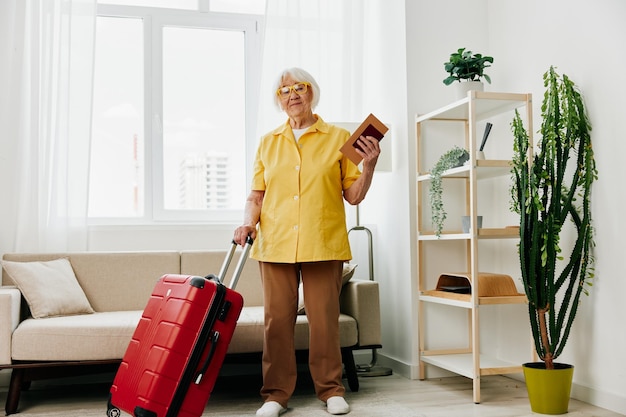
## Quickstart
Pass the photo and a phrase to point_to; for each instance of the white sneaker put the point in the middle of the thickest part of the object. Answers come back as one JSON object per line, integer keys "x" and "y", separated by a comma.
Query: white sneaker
{"x": 270, "y": 409}
{"x": 337, "y": 405}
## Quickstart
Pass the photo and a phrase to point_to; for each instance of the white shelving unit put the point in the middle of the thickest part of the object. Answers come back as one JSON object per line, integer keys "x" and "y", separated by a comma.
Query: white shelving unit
{"x": 466, "y": 360}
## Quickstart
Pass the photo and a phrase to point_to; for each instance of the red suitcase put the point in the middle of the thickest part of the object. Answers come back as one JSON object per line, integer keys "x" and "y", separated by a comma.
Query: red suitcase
{"x": 176, "y": 352}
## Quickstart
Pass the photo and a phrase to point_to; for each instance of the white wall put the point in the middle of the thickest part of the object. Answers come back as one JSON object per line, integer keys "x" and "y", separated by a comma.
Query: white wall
{"x": 434, "y": 30}
{"x": 583, "y": 40}
{"x": 580, "y": 38}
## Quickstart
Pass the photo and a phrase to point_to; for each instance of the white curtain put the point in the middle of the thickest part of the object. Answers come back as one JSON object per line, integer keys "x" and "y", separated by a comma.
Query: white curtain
{"x": 337, "y": 41}
{"x": 47, "y": 49}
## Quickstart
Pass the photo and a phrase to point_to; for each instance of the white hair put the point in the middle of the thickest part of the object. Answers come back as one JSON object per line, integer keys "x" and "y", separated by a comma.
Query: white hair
{"x": 300, "y": 75}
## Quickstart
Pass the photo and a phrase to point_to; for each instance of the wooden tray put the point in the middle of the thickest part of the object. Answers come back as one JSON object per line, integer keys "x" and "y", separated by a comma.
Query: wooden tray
{"x": 489, "y": 284}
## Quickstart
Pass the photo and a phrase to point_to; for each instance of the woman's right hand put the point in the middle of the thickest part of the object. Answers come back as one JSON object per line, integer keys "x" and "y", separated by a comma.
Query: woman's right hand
{"x": 252, "y": 214}
{"x": 242, "y": 232}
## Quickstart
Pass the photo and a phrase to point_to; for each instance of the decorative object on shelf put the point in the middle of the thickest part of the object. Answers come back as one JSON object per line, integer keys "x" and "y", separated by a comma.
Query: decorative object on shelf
{"x": 467, "y": 68}
{"x": 453, "y": 158}
{"x": 490, "y": 285}
{"x": 466, "y": 222}
{"x": 480, "y": 154}
{"x": 466, "y": 86}
{"x": 549, "y": 189}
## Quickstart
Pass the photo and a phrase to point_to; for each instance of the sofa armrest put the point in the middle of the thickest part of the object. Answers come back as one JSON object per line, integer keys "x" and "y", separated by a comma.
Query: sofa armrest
{"x": 360, "y": 299}
{"x": 10, "y": 301}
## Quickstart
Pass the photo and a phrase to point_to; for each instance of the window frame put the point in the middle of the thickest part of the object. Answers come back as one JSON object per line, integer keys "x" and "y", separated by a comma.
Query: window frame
{"x": 154, "y": 20}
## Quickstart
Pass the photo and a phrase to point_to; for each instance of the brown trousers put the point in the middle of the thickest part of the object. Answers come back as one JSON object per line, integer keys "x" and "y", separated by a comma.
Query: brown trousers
{"x": 322, "y": 284}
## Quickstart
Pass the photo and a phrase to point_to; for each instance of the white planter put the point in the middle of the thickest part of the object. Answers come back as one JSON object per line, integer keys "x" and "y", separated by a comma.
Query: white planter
{"x": 463, "y": 87}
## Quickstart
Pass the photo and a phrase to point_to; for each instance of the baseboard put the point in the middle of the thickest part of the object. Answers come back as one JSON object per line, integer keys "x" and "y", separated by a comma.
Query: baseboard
{"x": 607, "y": 400}
{"x": 410, "y": 371}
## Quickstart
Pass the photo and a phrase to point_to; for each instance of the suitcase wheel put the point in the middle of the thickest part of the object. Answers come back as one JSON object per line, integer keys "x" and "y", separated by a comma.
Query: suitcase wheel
{"x": 114, "y": 412}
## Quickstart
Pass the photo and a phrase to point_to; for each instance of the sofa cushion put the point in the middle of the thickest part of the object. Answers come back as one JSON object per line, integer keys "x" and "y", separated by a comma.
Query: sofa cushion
{"x": 112, "y": 281}
{"x": 50, "y": 288}
{"x": 94, "y": 336}
{"x": 106, "y": 335}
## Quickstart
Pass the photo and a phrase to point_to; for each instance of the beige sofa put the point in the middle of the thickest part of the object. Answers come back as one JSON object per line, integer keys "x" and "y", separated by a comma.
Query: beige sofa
{"x": 117, "y": 286}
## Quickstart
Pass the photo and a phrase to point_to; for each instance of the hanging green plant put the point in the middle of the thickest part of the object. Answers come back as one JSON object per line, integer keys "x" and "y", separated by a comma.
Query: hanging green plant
{"x": 453, "y": 158}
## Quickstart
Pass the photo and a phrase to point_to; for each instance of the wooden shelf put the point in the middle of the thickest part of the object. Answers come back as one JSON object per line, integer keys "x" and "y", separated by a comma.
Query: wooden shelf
{"x": 465, "y": 300}
{"x": 487, "y": 104}
{"x": 499, "y": 233}
{"x": 509, "y": 232}
{"x": 463, "y": 364}
{"x": 489, "y": 288}
{"x": 486, "y": 168}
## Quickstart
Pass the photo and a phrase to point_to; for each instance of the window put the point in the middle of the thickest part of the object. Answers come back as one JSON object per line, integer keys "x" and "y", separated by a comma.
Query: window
{"x": 174, "y": 111}
{"x": 231, "y": 6}
{"x": 117, "y": 186}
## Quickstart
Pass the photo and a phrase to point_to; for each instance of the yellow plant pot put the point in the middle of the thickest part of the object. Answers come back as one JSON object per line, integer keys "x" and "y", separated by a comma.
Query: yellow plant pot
{"x": 548, "y": 390}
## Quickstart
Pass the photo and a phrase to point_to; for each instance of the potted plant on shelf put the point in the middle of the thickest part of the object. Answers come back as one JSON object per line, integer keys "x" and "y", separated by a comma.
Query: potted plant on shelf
{"x": 453, "y": 158}
{"x": 551, "y": 190}
{"x": 468, "y": 69}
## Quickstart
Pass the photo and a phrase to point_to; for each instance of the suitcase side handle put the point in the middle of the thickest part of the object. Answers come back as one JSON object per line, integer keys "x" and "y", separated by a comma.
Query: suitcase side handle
{"x": 240, "y": 263}
{"x": 214, "y": 338}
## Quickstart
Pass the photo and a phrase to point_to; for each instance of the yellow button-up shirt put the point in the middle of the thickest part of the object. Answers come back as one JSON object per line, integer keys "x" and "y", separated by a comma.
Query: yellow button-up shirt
{"x": 303, "y": 217}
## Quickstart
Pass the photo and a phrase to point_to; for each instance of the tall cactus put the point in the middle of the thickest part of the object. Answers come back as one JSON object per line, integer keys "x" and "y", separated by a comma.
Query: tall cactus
{"x": 549, "y": 187}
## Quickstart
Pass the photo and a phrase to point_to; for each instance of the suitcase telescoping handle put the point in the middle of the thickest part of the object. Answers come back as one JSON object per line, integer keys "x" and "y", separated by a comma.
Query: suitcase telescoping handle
{"x": 240, "y": 264}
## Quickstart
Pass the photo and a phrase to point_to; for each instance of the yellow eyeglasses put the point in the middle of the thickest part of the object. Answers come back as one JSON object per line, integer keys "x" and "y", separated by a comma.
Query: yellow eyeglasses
{"x": 299, "y": 88}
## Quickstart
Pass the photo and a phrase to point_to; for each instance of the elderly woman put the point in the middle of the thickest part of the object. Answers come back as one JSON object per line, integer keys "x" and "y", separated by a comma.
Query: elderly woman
{"x": 299, "y": 182}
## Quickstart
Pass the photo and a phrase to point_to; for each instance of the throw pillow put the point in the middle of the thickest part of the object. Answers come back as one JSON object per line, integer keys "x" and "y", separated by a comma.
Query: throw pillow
{"x": 348, "y": 272}
{"x": 50, "y": 288}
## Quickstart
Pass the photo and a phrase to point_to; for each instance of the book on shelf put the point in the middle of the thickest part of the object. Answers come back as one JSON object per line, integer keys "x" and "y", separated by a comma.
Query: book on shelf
{"x": 371, "y": 126}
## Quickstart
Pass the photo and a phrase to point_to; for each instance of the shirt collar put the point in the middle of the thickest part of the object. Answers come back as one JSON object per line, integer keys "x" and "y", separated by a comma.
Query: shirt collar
{"x": 320, "y": 126}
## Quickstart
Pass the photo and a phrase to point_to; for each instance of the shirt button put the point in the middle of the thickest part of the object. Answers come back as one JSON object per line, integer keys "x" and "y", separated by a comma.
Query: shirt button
{"x": 295, "y": 227}
{"x": 295, "y": 197}
{"x": 297, "y": 167}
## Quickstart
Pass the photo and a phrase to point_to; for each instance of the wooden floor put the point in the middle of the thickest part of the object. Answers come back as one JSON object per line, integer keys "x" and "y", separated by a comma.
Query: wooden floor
{"x": 441, "y": 397}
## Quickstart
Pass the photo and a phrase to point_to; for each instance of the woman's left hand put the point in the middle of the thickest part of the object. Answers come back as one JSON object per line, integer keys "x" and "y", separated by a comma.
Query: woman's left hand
{"x": 370, "y": 150}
